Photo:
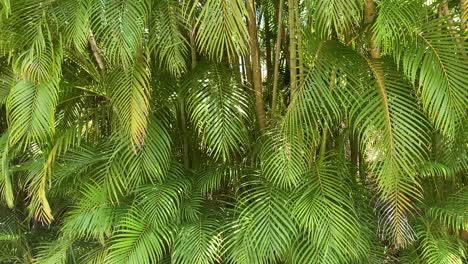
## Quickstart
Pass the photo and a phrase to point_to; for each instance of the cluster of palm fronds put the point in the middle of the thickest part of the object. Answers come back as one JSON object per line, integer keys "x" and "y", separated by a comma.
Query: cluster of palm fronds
{"x": 143, "y": 131}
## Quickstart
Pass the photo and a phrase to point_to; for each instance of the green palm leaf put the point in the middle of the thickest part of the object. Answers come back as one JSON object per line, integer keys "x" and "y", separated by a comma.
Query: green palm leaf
{"x": 266, "y": 227}
{"x": 94, "y": 217}
{"x": 285, "y": 160}
{"x": 129, "y": 93}
{"x": 198, "y": 242}
{"x": 139, "y": 240}
{"x": 219, "y": 109}
{"x": 167, "y": 36}
{"x": 221, "y": 28}
{"x": 338, "y": 16}
{"x": 31, "y": 110}
{"x": 324, "y": 210}
{"x": 119, "y": 28}
{"x": 394, "y": 134}
{"x": 74, "y": 17}
{"x": 439, "y": 249}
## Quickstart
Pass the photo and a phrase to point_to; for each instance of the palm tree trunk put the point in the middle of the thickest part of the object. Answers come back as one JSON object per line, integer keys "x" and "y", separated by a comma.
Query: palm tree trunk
{"x": 183, "y": 114}
{"x": 292, "y": 45}
{"x": 256, "y": 71}
{"x": 463, "y": 16}
{"x": 96, "y": 52}
{"x": 299, "y": 45}
{"x": 369, "y": 16}
{"x": 269, "y": 64}
{"x": 277, "y": 58}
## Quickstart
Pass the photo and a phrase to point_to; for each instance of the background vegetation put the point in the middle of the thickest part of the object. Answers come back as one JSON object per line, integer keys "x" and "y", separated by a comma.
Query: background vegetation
{"x": 232, "y": 131}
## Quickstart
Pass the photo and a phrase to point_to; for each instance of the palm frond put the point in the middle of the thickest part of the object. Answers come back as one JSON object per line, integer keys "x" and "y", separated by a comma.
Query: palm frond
{"x": 219, "y": 109}
{"x": 119, "y": 27}
{"x": 167, "y": 36}
{"x": 453, "y": 211}
{"x": 55, "y": 252}
{"x": 74, "y": 17}
{"x": 139, "y": 240}
{"x": 266, "y": 227}
{"x": 222, "y": 29}
{"x": 439, "y": 249}
{"x": 198, "y": 242}
{"x": 285, "y": 159}
{"x": 129, "y": 92}
{"x": 394, "y": 134}
{"x": 323, "y": 209}
{"x": 94, "y": 217}
{"x": 337, "y": 16}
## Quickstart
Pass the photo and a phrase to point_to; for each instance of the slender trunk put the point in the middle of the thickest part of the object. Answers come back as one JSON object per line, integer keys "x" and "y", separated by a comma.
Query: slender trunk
{"x": 463, "y": 16}
{"x": 183, "y": 114}
{"x": 369, "y": 16}
{"x": 193, "y": 48}
{"x": 96, "y": 52}
{"x": 299, "y": 44}
{"x": 256, "y": 71}
{"x": 362, "y": 167}
{"x": 244, "y": 74}
{"x": 269, "y": 64}
{"x": 236, "y": 68}
{"x": 354, "y": 149}
{"x": 292, "y": 45}
{"x": 277, "y": 57}
{"x": 248, "y": 69}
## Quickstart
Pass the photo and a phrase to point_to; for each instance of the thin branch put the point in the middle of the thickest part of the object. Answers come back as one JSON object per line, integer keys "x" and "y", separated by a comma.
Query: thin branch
{"x": 96, "y": 51}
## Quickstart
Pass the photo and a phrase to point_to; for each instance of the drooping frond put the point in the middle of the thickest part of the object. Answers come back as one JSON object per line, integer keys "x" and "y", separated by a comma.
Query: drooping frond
{"x": 167, "y": 36}
{"x": 6, "y": 185}
{"x": 431, "y": 56}
{"x": 74, "y": 19}
{"x": 94, "y": 217}
{"x": 336, "y": 16}
{"x": 453, "y": 211}
{"x": 31, "y": 110}
{"x": 7, "y": 81}
{"x": 331, "y": 86}
{"x": 218, "y": 107}
{"x": 397, "y": 22}
{"x": 285, "y": 159}
{"x": 394, "y": 136}
{"x": 325, "y": 211}
{"x": 138, "y": 240}
{"x": 129, "y": 93}
{"x": 266, "y": 227}
{"x": 199, "y": 242}
{"x": 161, "y": 202}
{"x": 119, "y": 27}
{"x": 55, "y": 252}
{"x": 222, "y": 29}
{"x": 149, "y": 163}
{"x": 437, "y": 248}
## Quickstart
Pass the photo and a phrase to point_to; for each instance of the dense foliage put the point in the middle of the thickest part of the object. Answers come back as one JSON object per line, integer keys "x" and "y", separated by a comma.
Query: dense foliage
{"x": 233, "y": 131}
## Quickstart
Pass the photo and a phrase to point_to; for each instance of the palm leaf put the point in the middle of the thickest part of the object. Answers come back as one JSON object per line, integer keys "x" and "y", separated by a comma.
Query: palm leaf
{"x": 129, "y": 93}
{"x": 218, "y": 107}
{"x": 167, "y": 38}
{"x": 139, "y": 240}
{"x": 323, "y": 209}
{"x": 119, "y": 28}
{"x": 198, "y": 242}
{"x": 221, "y": 28}
{"x": 337, "y": 16}
{"x": 265, "y": 228}
{"x": 394, "y": 133}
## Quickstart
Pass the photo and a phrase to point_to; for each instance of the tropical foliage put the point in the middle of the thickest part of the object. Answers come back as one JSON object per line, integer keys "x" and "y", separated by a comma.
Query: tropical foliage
{"x": 231, "y": 131}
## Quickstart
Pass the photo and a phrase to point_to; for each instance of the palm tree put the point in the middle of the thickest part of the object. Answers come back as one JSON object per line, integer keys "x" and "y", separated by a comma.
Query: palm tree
{"x": 229, "y": 131}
